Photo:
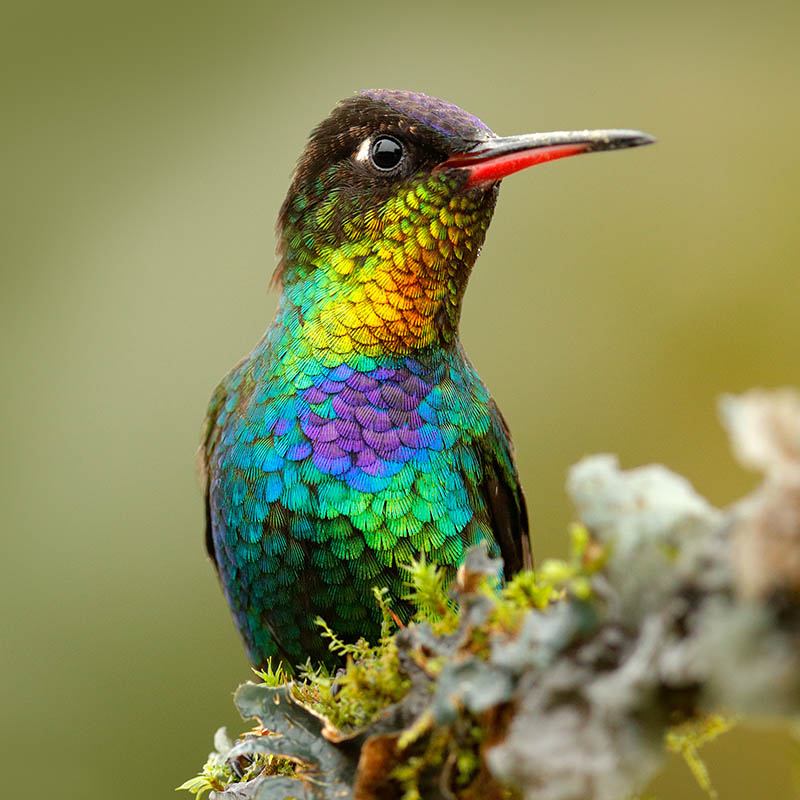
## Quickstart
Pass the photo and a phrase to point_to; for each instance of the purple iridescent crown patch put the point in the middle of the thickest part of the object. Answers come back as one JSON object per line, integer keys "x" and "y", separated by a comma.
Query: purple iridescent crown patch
{"x": 438, "y": 114}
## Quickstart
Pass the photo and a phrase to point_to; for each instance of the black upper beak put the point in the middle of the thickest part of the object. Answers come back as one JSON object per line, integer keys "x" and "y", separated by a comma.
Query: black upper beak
{"x": 492, "y": 159}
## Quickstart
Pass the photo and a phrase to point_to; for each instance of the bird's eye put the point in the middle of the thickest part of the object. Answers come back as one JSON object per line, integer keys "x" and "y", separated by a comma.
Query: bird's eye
{"x": 386, "y": 153}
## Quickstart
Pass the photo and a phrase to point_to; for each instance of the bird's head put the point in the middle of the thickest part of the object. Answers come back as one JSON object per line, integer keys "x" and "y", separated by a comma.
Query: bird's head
{"x": 388, "y": 209}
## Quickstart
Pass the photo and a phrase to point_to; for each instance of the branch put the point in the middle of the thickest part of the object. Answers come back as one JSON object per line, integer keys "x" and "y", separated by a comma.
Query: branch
{"x": 565, "y": 684}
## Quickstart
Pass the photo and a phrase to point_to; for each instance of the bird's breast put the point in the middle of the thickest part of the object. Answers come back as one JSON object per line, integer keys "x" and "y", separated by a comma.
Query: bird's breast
{"x": 344, "y": 441}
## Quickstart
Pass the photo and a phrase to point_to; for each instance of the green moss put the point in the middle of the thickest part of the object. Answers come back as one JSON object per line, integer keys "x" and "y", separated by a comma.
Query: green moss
{"x": 276, "y": 676}
{"x": 428, "y": 594}
{"x": 410, "y": 774}
{"x": 687, "y": 739}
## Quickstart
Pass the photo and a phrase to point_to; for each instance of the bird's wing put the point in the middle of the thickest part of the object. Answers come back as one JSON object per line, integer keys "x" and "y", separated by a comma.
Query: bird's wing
{"x": 208, "y": 441}
{"x": 504, "y": 498}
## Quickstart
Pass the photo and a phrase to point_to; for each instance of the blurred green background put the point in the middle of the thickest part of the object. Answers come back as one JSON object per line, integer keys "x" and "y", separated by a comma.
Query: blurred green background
{"x": 146, "y": 148}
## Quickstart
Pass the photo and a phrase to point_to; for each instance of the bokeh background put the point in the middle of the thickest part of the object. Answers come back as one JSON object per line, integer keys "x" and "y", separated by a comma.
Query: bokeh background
{"x": 144, "y": 151}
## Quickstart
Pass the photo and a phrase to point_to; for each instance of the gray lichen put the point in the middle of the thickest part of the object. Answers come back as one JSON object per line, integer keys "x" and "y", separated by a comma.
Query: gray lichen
{"x": 564, "y": 685}
{"x": 700, "y": 612}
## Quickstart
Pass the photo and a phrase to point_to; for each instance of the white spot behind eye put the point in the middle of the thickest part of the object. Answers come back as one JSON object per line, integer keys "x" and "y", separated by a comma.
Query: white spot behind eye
{"x": 362, "y": 154}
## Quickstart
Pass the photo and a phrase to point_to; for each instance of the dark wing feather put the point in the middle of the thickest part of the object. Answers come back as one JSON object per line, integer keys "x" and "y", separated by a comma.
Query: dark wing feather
{"x": 505, "y": 500}
{"x": 208, "y": 440}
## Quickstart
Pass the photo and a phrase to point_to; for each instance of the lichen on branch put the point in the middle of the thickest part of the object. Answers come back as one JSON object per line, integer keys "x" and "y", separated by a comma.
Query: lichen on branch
{"x": 570, "y": 683}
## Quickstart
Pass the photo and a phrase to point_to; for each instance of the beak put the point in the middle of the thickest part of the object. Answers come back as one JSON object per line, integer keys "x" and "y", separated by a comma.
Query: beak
{"x": 491, "y": 160}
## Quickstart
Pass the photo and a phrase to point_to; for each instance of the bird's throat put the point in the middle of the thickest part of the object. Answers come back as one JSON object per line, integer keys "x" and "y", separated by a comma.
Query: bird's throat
{"x": 391, "y": 282}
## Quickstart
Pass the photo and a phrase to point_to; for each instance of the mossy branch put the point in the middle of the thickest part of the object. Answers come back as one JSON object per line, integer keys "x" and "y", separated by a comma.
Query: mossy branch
{"x": 670, "y": 619}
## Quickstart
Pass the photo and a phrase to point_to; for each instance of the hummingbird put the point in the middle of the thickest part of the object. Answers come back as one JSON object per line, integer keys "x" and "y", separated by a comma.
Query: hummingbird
{"x": 357, "y": 435}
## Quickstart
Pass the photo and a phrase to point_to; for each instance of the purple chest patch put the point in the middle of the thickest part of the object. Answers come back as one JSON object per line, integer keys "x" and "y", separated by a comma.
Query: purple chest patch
{"x": 375, "y": 426}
